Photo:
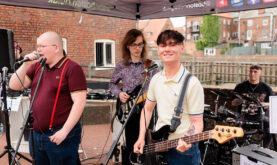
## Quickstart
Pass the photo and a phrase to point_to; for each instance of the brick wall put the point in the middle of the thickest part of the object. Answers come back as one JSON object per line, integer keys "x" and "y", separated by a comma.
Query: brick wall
{"x": 28, "y": 23}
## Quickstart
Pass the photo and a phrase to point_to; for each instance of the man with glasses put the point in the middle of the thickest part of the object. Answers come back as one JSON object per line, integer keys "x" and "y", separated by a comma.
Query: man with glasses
{"x": 164, "y": 91}
{"x": 59, "y": 102}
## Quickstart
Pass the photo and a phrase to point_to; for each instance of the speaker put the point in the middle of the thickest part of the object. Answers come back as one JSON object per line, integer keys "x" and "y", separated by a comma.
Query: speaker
{"x": 254, "y": 155}
{"x": 7, "y": 55}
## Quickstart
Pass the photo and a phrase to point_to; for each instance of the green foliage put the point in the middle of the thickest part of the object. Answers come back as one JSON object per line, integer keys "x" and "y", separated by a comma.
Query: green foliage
{"x": 223, "y": 51}
{"x": 201, "y": 44}
{"x": 232, "y": 45}
{"x": 210, "y": 29}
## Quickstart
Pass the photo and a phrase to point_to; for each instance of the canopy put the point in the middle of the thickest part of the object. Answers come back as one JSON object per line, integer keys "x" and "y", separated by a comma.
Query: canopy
{"x": 145, "y": 9}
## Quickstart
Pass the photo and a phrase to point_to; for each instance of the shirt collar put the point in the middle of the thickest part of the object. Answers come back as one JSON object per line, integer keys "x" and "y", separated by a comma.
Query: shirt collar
{"x": 139, "y": 62}
{"x": 178, "y": 77}
{"x": 61, "y": 62}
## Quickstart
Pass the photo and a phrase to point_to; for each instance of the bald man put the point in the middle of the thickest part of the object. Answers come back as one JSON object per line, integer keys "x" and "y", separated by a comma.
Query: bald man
{"x": 59, "y": 102}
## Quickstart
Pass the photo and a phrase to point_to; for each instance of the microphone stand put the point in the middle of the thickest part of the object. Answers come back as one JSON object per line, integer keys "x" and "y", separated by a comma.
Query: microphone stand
{"x": 114, "y": 144}
{"x": 262, "y": 114}
{"x": 216, "y": 107}
{"x": 28, "y": 120}
{"x": 8, "y": 147}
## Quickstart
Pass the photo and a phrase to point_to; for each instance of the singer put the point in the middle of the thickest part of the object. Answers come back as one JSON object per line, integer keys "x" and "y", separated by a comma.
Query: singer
{"x": 128, "y": 71}
{"x": 59, "y": 103}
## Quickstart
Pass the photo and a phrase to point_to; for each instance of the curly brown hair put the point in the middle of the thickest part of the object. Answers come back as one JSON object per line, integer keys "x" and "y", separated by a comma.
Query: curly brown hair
{"x": 128, "y": 40}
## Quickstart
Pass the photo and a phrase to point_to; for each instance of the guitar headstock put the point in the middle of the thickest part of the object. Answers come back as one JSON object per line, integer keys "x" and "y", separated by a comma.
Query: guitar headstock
{"x": 223, "y": 134}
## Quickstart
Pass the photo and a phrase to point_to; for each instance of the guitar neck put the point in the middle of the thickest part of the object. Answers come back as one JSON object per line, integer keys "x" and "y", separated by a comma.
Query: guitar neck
{"x": 164, "y": 145}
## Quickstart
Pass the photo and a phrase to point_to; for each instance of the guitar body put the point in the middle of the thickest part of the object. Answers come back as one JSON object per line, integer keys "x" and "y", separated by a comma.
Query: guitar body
{"x": 123, "y": 109}
{"x": 153, "y": 158}
{"x": 159, "y": 142}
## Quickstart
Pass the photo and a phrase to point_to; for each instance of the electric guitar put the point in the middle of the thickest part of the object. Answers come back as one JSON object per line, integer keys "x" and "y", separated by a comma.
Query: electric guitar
{"x": 123, "y": 109}
{"x": 220, "y": 133}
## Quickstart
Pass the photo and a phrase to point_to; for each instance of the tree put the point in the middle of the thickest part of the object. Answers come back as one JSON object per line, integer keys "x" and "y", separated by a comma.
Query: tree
{"x": 210, "y": 29}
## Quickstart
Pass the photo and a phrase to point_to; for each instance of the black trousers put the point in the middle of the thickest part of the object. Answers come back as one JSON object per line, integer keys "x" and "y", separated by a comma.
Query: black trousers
{"x": 132, "y": 132}
{"x": 131, "y": 136}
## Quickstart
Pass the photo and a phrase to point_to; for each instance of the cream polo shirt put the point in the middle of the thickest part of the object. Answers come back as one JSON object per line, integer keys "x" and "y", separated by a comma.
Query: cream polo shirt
{"x": 166, "y": 93}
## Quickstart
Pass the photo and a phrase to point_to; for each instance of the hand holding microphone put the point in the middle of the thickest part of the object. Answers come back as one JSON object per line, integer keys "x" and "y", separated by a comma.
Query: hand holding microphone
{"x": 30, "y": 57}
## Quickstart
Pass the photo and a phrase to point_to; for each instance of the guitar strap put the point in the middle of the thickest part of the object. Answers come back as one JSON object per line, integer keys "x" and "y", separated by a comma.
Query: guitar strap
{"x": 178, "y": 110}
{"x": 148, "y": 63}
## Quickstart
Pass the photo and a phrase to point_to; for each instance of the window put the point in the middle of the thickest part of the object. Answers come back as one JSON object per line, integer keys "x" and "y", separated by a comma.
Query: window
{"x": 149, "y": 33}
{"x": 188, "y": 37}
{"x": 223, "y": 34}
{"x": 195, "y": 26}
{"x": 65, "y": 44}
{"x": 265, "y": 45}
{"x": 249, "y": 22}
{"x": 264, "y": 33}
{"x": 265, "y": 22}
{"x": 189, "y": 24}
{"x": 150, "y": 42}
{"x": 249, "y": 34}
{"x": 104, "y": 53}
{"x": 229, "y": 22}
{"x": 228, "y": 35}
{"x": 224, "y": 22}
{"x": 195, "y": 37}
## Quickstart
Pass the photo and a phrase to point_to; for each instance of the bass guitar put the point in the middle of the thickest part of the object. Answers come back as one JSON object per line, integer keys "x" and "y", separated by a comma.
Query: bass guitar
{"x": 159, "y": 142}
{"x": 123, "y": 109}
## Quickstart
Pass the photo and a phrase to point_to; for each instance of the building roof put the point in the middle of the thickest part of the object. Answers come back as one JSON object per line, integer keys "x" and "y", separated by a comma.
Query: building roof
{"x": 152, "y": 28}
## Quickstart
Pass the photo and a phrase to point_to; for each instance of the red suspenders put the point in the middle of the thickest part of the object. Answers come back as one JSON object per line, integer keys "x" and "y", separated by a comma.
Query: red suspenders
{"x": 57, "y": 96}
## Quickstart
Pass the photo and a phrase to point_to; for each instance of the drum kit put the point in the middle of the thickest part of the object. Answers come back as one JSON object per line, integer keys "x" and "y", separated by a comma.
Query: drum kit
{"x": 213, "y": 153}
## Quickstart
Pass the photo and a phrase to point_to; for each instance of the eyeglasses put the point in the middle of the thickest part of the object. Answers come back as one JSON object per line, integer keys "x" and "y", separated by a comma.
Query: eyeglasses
{"x": 139, "y": 45}
{"x": 43, "y": 46}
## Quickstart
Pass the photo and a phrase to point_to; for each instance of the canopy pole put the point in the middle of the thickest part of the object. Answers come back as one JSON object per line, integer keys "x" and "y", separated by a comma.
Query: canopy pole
{"x": 138, "y": 16}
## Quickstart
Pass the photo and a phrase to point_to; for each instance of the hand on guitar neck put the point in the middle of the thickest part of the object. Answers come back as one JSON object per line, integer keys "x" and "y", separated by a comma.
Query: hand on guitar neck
{"x": 182, "y": 145}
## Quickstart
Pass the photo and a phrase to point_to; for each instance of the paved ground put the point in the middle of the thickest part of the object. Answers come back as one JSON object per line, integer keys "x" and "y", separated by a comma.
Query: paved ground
{"x": 96, "y": 141}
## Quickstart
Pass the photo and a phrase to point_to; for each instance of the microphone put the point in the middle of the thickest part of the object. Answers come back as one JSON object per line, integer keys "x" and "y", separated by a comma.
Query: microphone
{"x": 149, "y": 69}
{"x": 5, "y": 72}
{"x": 27, "y": 59}
{"x": 225, "y": 111}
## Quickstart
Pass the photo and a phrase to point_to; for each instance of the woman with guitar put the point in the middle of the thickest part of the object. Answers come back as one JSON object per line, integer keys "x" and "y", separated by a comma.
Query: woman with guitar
{"x": 164, "y": 90}
{"x": 128, "y": 71}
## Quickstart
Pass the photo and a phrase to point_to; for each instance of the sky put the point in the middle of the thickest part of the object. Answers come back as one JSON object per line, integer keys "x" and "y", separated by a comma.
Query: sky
{"x": 178, "y": 21}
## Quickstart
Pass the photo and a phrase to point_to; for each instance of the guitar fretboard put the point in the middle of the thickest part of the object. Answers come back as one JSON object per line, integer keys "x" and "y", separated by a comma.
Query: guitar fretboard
{"x": 164, "y": 145}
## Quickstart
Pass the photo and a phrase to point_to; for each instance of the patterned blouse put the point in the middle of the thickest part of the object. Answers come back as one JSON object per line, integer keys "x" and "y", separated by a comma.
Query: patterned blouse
{"x": 130, "y": 76}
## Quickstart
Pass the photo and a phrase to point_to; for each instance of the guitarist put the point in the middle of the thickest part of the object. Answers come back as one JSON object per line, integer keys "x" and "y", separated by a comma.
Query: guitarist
{"x": 164, "y": 89}
{"x": 128, "y": 71}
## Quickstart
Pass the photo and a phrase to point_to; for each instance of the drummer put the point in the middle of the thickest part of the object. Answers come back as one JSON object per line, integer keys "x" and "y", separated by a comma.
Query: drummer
{"x": 255, "y": 94}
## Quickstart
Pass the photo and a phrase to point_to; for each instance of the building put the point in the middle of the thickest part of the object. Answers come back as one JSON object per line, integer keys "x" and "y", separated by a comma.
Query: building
{"x": 151, "y": 29}
{"x": 88, "y": 39}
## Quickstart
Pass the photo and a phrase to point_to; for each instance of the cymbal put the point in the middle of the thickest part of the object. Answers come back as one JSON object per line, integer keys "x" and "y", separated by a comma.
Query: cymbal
{"x": 243, "y": 97}
{"x": 220, "y": 93}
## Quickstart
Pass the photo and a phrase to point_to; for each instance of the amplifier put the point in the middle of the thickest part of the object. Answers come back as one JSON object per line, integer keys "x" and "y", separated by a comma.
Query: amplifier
{"x": 254, "y": 155}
